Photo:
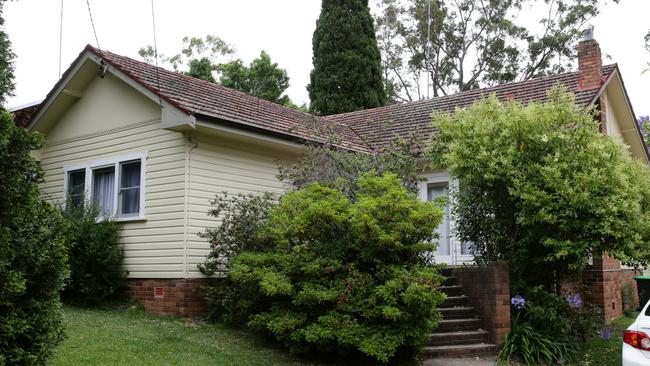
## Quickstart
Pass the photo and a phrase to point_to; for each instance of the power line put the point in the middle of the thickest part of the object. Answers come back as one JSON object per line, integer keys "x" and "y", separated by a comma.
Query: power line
{"x": 155, "y": 51}
{"x": 93, "y": 25}
{"x": 60, "y": 37}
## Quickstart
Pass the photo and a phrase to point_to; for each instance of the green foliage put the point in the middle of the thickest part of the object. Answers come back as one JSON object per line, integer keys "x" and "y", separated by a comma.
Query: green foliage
{"x": 210, "y": 48}
{"x": 6, "y": 61}
{"x": 335, "y": 275}
{"x": 542, "y": 188}
{"x": 211, "y": 56}
{"x": 33, "y": 257}
{"x": 347, "y": 69}
{"x": 340, "y": 169}
{"x": 242, "y": 219}
{"x": 95, "y": 256}
{"x": 533, "y": 347}
{"x": 501, "y": 47}
{"x": 549, "y": 329}
{"x": 201, "y": 69}
{"x": 262, "y": 78}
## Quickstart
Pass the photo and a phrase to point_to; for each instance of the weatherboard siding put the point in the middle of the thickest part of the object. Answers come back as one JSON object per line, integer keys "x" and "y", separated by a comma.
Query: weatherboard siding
{"x": 217, "y": 165}
{"x": 154, "y": 247}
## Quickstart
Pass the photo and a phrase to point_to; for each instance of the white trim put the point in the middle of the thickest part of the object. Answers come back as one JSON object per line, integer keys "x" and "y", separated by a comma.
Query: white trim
{"x": 114, "y": 162}
{"x": 455, "y": 247}
{"x": 253, "y": 135}
{"x": 171, "y": 116}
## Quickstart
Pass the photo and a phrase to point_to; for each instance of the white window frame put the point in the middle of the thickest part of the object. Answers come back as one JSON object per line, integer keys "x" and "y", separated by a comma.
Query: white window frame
{"x": 455, "y": 256}
{"x": 114, "y": 162}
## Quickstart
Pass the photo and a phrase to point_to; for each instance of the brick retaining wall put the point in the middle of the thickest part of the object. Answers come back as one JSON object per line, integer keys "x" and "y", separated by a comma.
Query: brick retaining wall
{"x": 488, "y": 290}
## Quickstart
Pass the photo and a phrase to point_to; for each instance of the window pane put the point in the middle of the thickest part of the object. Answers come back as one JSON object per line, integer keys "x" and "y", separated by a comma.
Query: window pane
{"x": 76, "y": 187}
{"x": 130, "y": 188}
{"x": 434, "y": 191}
{"x": 130, "y": 174}
{"x": 103, "y": 180}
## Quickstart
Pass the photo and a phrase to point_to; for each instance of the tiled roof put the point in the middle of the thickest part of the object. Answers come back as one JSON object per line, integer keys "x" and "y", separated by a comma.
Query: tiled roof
{"x": 358, "y": 131}
{"x": 23, "y": 114}
{"x": 202, "y": 98}
{"x": 379, "y": 126}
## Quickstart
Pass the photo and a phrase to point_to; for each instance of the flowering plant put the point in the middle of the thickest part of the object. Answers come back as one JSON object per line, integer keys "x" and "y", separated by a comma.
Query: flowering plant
{"x": 574, "y": 301}
{"x": 518, "y": 302}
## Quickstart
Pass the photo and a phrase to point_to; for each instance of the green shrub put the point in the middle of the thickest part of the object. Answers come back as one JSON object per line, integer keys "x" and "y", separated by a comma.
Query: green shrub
{"x": 533, "y": 347}
{"x": 242, "y": 217}
{"x": 545, "y": 323}
{"x": 33, "y": 257}
{"x": 338, "y": 275}
{"x": 541, "y": 187}
{"x": 330, "y": 166}
{"x": 95, "y": 256}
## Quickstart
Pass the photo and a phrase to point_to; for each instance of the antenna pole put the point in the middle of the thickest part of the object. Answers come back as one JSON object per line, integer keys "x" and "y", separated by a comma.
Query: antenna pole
{"x": 427, "y": 49}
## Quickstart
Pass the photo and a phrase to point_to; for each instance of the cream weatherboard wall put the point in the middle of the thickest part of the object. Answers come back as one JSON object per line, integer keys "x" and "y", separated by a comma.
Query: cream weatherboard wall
{"x": 112, "y": 119}
{"x": 218, "y": 164}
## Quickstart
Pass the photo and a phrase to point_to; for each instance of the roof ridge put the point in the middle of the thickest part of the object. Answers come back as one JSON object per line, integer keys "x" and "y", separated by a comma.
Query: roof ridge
{"x": 463, "y": 93}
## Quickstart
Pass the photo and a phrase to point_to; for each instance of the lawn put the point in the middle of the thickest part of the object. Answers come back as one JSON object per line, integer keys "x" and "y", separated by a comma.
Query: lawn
{"x": 607, "y": 352}
{"x": 131, "y": 337}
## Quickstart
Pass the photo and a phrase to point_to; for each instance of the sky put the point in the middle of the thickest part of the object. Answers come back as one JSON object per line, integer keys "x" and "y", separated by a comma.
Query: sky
{"x": 283, "y": 28}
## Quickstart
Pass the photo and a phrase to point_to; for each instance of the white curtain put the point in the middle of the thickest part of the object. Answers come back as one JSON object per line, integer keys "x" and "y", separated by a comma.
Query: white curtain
{"x": 103, "y": 183}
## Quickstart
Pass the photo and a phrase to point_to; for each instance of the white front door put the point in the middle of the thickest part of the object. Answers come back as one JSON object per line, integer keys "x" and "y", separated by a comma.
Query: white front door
{"x": 450, "y": 250}
{"x": 444, "y": 253}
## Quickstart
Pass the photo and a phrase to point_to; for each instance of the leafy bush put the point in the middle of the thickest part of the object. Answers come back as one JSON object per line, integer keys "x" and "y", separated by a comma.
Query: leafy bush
{"x": 549, "y": 328}
{"x": 332, "y": 167}
{"x": 533, "y": 347}
{"x": 33, "y": 257}
{"x": 242, "y": 217}
{"x": 540, "y": 186}
{"x": 335, "y": 275}
{"x": 95, "y": 256}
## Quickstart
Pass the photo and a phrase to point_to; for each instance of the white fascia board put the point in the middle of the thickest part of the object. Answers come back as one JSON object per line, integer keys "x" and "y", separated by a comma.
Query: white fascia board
{"x": 171, "y": 116}
{"x": 250, "y": 134}
{"x": 59, "y": 89}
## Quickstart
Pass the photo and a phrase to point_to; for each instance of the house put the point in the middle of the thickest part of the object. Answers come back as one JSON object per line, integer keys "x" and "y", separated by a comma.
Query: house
{"x": 152, "y": 147}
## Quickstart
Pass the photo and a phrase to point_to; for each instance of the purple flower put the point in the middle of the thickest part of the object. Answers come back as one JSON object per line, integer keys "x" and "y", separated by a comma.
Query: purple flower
{"x": 605, "y": 334}
{"x": 518, "y": 302}
{"x": 574, "y": 301}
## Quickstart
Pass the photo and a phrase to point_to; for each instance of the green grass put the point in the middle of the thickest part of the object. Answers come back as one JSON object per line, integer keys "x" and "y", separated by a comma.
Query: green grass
{"x": 607, "y": 352}
{"x": 131, "y": 337}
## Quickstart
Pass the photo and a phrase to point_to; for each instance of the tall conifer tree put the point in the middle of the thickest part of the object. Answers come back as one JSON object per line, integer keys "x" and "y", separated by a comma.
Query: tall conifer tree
{"x": 347, "y": 64}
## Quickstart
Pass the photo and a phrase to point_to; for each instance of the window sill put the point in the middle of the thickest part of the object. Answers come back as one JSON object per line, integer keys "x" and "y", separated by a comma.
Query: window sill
{"x": 130, "y": 218}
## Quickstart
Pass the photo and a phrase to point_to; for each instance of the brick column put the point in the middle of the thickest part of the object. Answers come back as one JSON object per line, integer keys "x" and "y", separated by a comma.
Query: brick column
{"x": 488, "y": 290}
{"x": 603, "y": 278}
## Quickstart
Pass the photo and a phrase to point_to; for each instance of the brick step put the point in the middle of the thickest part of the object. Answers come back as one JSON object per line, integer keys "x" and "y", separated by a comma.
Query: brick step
{"x": 447, "y": 272}
{"x": 450, "y": 281}
{"x": 451, "y": 290}
{"x": 453, "y": 301}
{"x": 456, "y": 338}
{"x": 460, "y": 350}
{"x": 453, "y": 325}
{"x": 458, "y": 312}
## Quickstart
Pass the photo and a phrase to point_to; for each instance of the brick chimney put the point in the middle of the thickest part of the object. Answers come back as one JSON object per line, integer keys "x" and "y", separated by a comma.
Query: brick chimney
{"x": 590, "y": 64}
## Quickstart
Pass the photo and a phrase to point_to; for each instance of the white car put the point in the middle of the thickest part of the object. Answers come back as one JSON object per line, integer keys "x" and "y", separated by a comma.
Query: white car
{"x": 636, "y": 340}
